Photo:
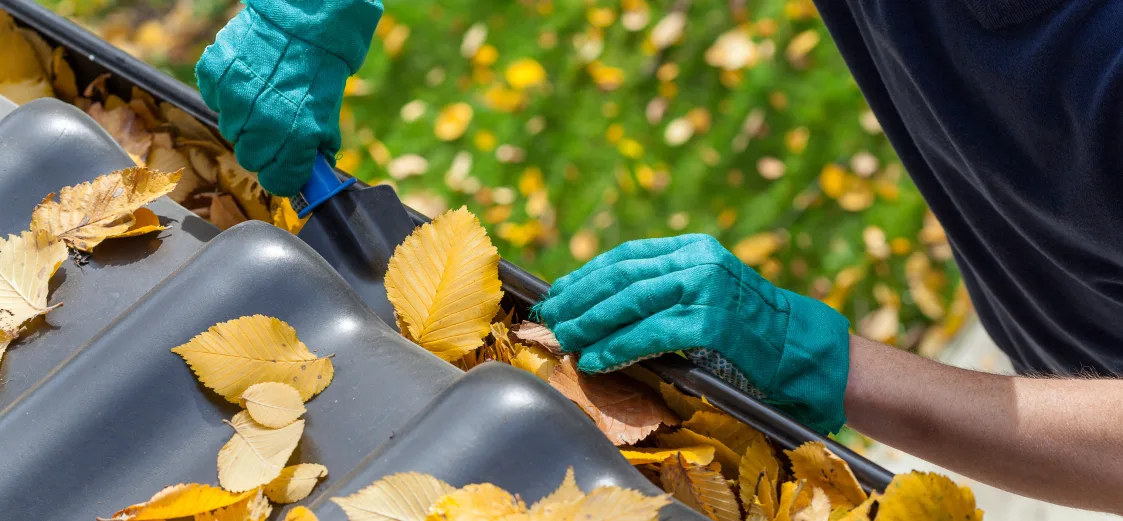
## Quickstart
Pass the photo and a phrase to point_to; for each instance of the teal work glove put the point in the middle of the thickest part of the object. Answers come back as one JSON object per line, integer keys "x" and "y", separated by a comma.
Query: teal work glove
{"x": 275, "y": 74}
{"x": 649, "y": 297}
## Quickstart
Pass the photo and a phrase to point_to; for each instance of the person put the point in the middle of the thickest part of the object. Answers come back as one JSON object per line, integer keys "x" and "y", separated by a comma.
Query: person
{"x": 1009, "y": 118}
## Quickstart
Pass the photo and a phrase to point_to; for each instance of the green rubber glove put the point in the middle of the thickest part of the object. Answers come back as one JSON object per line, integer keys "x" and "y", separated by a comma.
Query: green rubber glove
{"x": 688, "y": 293}
{"x": 275, "y": 74}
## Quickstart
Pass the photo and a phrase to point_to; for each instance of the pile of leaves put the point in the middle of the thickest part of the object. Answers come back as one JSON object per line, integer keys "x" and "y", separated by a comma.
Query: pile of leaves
{"x": 443, "y": 281}
{"x": 157, "y": 135}
{"x": 570, "y": 127}
{"x": 109, "y": 207}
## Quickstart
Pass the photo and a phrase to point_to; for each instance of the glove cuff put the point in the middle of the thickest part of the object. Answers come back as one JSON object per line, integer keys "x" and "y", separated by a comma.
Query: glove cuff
{"x": 811, "y": 377}
{"x": 343, "y": 28}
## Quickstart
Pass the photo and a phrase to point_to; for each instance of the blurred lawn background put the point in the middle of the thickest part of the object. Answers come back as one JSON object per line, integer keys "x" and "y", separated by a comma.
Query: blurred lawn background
{"x": 571, "y": 126}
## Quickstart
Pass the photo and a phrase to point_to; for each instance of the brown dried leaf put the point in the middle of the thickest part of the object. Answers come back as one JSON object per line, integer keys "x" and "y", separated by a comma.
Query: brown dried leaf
{"x": 624, "y": 411}
{"x": 127, "y": 130}
{"x": 813, "y": 462}
{"x": 224, "y": 212}
{"x": 243, "y": 185}
{"x": 535, "y": 334}
{"x": 700, "y": 488}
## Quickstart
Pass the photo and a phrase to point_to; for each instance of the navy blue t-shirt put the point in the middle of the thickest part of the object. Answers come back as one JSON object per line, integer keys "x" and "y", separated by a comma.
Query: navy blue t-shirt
{"x": 1008, "y": 115}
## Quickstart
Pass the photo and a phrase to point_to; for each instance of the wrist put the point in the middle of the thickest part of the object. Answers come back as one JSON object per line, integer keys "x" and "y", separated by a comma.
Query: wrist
{"x": 343, "y": 28}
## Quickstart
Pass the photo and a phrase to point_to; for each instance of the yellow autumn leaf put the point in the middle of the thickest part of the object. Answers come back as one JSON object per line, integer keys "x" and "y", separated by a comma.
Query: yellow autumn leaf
{"x": 144, "y": 221}
{"x": 295, "y": 482}
{"x": 22, "y": 77}
{"x": 285, "y": 217}
{"x": 244, "y": 186}
{"x": 724, "y": 428}
{"x": 255, "y": 454}
{"x": 183, "y": 500}
{"x": 225, "y": 213}
{"x": 813, "y": 462}
{"x": 818, "y": 510}
{"x": 398, "y": 497}
{"x": 162, "y": 157}
{"x": 254, "y": 508}
{"x": 300, "y": 514}
{"x": 929, "y": 496}
{"x": 233, "y": 355}
{"x": 126, "y": 128}
{"x": 699, "y": 488}
{"x": 5, "y": 339}
{"x": 65, "y": 83}
{"x": 483, "y": 502}
{"x": 682, "y": 404}
{"x": 620, "y": 504}
{"x": 858, "y": 513}
{"x": 764, "y": 499}
{"x": 273, "y": 404}
{"x": 27, "y": 262}
{"x": 91, "y": 212}
{"x": 561, "y": 504}
{"x": 697, "y": 454}
{"x": 186, "y": 126}
{"x": 759, "y": 460}
{"x": 444, "y": 284}
{"x": 453, "y": 121}
{"x": 535, "y": 360}
{"x": 684, "y": 437}
{"x": 790, "y": 493}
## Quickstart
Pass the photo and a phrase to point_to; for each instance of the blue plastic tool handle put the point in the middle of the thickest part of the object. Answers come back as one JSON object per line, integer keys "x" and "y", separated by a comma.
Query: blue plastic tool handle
{"x": 321, "y": 186}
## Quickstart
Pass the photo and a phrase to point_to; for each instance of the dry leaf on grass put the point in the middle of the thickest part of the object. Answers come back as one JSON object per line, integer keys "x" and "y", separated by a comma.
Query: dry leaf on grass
{"x": 233, "y": 355}
{"x": 699, "y": 488}
{"x": 723, "y": 455}
{"x": 126, "y": 128}
{"x": 253, "y": 508}
{"x": 256, "y": 454}
{"x": 818, "y": 510}
{"x": 91, "y": 212}
{"x": 697, "y": 454}
{"x": 273, "y": 404}
{"x": 623, "y": 411}
{"x": 27, "y": 262}
{"x": 183, "y": 500}
{"x": 682, "y": 404}
{"x": 724, "y": 428}
{"x": 813, "y": 462}
{"x": 443, "y": 281}
{"x": 225, "y": 213}
{"x": 300, "y": 514}
{"x": 925, "y": 495}
{"x": 476, "y": 503}
{"x": 398, "y": 497}
{"x": 537, "y": 335}
{"x": 295, "y": 482}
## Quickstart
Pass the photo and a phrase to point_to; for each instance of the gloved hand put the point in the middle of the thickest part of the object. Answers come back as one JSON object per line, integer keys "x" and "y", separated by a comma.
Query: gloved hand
{"x": 275, "y": 75}
{"x": 649, "y": 297}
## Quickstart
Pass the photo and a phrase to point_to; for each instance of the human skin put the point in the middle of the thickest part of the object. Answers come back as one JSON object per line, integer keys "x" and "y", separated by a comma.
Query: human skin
{"x": 1059, "y": 440}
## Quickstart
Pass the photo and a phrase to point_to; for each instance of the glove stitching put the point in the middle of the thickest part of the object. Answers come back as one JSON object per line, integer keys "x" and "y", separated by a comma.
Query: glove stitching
{"x": 295, "y": 37}
{"x": 783, "y": 351}
{"x": 299, "y": 108}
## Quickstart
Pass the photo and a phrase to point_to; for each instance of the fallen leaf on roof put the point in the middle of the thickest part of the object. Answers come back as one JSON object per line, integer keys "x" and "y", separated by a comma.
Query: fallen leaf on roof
{"x": 255, "y": 454}
{"x": 126, "y": 128}
{"x": 476, "y": 503}
{"x": 273, "y": 404}
{"x": 699, "y": 488}
{"x": 535, "y": 360}
{"x": 91, "y": 212}
{"x": 623, "y": 411}
{"x": 183, "y": 500}
{"x": 758, "y": 462}
{"x": 254, "y": 508}
{"x": 27, "y": 262}
{"x": 813, "y": 462}
{"x": 22, "y": 78}
{"x": 697, "y": 454}
{"x": 726, "y": 429}
{"x": 682, "y": 404}
{"x": 538, "y": 335}
{"x": 818, "y": 510}
{"x": 225, "y": 213}
{"x": 723, "y": 455}
{"x": 300, "y": 514}
{"x": 285, "y": 217}
{"x": 233, "y": 355}
{"x": 64, "y": 81}
{"x": 144, "y": 221}
{"x": 443, "y": 281}
{"x": 398, "y": 497}
{"x": 926, "y": 495}
{"x": 295, "y": 483}
{"x": 244, "y": 186}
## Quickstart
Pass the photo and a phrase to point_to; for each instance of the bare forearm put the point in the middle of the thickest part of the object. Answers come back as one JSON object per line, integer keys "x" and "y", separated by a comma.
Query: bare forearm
{"x": 1057, "y": 440}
